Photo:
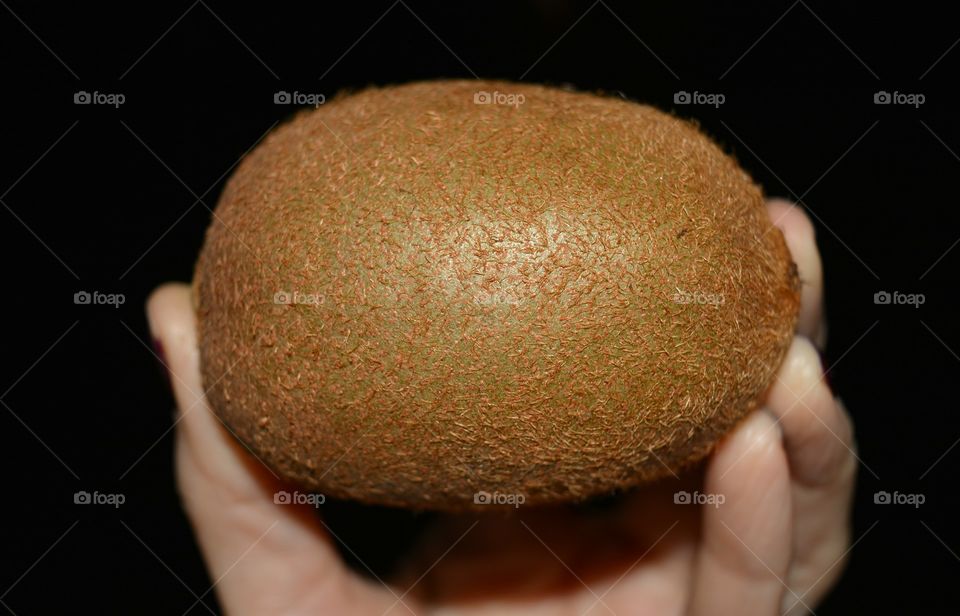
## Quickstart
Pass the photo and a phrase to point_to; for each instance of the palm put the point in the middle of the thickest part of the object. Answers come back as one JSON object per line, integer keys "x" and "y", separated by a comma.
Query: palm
{"x": 632, "y": 555}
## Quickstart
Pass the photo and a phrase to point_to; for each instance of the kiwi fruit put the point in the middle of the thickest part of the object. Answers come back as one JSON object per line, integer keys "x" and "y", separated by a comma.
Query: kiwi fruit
{"x": 418, "y": 294}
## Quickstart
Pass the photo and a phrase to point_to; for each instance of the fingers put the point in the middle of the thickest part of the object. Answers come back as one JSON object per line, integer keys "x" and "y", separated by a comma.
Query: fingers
{"x": 262, "y": 556}
{"x": 799, "y": 234}
{"x": 818, "y": 433}
{"x": 745, "y": 549}
{"x": 818, "y": 436}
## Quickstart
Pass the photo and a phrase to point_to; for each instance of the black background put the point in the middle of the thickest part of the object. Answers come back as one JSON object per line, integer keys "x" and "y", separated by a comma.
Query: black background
{"x": 117, "y": 200}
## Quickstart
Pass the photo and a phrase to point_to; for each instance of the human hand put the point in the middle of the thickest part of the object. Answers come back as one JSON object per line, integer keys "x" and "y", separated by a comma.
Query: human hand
{"x": 775, "y": 545}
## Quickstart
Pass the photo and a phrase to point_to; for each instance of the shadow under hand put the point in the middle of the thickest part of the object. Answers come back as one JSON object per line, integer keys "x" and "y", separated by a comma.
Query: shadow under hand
{"x": 523, "y": 554}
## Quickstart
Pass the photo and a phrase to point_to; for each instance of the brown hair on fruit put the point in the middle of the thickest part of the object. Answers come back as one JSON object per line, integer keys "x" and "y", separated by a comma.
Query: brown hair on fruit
{"x": 417, "y": 294}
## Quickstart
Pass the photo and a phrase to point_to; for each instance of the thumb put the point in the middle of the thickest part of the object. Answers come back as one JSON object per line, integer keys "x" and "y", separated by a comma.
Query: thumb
{"x": 264, "y": 557}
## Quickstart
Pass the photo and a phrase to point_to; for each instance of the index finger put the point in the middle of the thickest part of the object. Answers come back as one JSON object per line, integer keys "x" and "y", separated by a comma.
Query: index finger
{"x": 799, "y": 234}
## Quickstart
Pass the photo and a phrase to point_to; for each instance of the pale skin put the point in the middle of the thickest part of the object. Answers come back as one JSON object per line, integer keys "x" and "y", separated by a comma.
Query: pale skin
{"x": 776, "y": 545}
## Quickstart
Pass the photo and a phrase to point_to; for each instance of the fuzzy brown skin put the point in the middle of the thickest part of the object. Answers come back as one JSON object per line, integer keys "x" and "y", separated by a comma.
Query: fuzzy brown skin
{"x": 490, "y": 296}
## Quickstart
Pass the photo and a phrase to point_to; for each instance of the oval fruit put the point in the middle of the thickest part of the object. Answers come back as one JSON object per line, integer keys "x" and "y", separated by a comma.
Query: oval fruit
{"x": 427, "y": 294}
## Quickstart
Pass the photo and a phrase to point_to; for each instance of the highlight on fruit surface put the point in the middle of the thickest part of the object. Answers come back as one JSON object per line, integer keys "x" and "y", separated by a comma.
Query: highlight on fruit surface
{"x": 446, "y": 294}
